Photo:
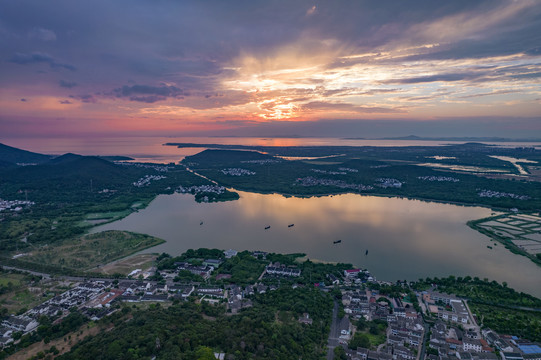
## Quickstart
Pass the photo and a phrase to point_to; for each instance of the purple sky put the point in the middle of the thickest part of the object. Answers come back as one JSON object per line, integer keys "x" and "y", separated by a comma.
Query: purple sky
{"x": 308, "y": 68}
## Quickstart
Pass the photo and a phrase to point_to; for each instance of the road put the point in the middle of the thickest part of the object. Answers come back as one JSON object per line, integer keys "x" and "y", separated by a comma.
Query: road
{"x": 46, "y": 276}
{"x": 64, "y": 277}
{"x": 470, "y": 313}
{"x": 334, "y": 333}
{"x": 421, "y": 355}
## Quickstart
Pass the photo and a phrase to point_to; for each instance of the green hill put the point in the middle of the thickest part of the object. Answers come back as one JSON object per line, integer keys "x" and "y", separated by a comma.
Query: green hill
{"x": 14, "y": 155}
{"x": 64, "y": 158}
{"x": 68, "y": 174}
{"x": 225, "y": 157}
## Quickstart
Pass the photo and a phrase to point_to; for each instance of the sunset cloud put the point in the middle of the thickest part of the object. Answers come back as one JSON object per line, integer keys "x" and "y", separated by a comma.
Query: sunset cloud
{"x": 216, "y": 63}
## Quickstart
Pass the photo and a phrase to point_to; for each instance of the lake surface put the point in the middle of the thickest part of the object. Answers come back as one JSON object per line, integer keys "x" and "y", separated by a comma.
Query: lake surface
{"x": 151, "y": 149}
{"x": 405, "y": 239}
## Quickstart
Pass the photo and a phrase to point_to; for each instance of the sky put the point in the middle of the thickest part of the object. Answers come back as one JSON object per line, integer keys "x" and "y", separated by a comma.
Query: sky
{"x": 270, "y": 68}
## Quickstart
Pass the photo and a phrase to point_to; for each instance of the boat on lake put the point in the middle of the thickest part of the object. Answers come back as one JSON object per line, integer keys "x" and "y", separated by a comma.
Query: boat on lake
{"x": 291, "y": 225}
{"x": 201, "y": 223}
{"x": 267, "y": 227}
{"x": 337, "y": 241}
{"x": 366, "y": 253}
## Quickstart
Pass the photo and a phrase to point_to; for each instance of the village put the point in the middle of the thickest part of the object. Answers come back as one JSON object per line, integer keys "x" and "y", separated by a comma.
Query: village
{"x": 426, "y": 325}
{"x": 147, "y": 179}
{"x": 432, "y": 326}
{"x": 237, "y": 172}
{"x": 14, "y": 205}
{"x": 312, "y": 181}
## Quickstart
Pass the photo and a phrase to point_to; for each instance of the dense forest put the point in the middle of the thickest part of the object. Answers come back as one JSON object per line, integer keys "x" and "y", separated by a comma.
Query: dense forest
{"x": 268, "y": 330}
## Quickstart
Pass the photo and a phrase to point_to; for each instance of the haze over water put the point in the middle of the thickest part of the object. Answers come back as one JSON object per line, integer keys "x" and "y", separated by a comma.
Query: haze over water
{"x": 151, "y": 149}
{"x": 405, "y": 239}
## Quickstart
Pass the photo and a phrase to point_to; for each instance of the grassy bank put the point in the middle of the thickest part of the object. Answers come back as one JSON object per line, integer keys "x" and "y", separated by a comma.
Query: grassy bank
{"x": 93, "y": 250}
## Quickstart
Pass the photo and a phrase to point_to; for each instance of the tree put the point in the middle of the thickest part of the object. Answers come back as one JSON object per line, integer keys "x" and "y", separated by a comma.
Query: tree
{"x": 362, "y": 323}
{"x": 204, "y": 353}
{"x": 359, "y": 340}
{"x": 340, "y": 353}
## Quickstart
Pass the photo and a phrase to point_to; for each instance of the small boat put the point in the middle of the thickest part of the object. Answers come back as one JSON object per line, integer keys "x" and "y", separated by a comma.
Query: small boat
{"x": 488, "y": 246}
{"x": 366, "y": 253}
{"x": 291, "y": 225}
{"x": 201, "y": 223}
{"x": 337, "y": 241}
{"x": 267, "y": 227}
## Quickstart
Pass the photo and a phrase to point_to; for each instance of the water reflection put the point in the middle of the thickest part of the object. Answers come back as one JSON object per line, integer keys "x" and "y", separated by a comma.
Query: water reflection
{"x": 406, "y": 239}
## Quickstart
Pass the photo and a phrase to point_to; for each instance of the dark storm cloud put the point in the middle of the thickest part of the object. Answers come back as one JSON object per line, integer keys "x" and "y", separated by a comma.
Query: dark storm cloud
{"x": 150, "y": 94}
{"x": 478, "y": 74}
{"x": 37, "y": 57}
{"x": 87, "y": 98}
{"x": 499, "y": 92}
{"x": 149, "y": 99}
{"x": 67, "y": 84}
{"x": 176, "y": 52}
{"x": 194, "y": 40}
{"x": 530, "y": 75}
{"x": 433, "y": 78}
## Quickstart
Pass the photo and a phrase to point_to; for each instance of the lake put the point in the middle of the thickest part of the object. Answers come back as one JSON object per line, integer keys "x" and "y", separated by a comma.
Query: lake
{"x": 405, "y": 239}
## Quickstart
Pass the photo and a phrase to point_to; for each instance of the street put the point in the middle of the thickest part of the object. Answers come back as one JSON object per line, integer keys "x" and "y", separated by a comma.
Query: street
{"x": 334, "y": 333}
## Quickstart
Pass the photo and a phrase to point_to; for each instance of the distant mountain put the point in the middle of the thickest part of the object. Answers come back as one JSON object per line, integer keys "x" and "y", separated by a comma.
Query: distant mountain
{"x": 71, "y": 157}
{"x": 409, "y": 137}
{"x": 469, "y": 139}
{"x": 64, "y": 158}
{"x": 116, "y": 158}
{"x": 17, "y": 156}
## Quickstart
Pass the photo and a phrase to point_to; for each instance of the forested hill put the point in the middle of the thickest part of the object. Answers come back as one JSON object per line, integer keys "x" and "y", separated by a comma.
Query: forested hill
{"x": 17, "y": 156}
{"x": 67, "y": 172}
{"x": 58, "y": 196}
